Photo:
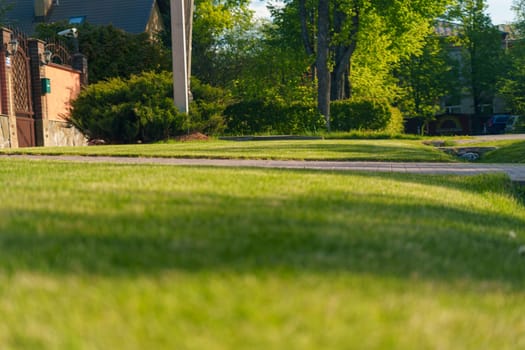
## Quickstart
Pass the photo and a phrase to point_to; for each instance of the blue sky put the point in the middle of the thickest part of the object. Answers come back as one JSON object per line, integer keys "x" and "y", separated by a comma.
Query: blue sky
{"x": 499, "y": 10}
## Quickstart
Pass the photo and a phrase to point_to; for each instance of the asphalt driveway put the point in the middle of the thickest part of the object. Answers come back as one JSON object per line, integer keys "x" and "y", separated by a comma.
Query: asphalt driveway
{"x": 516, "y": 172}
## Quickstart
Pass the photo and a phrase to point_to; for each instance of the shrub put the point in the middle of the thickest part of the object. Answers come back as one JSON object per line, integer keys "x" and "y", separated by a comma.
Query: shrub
{"x": 111, "y": 51}
{"x": 519, "y": 127}
{"x": 361, "y": 114}
{"x": 126, "y": 111}
{"x": 274, "y": 117}
{"x": 396, "y": 124}
{"x": 207, "y": 108}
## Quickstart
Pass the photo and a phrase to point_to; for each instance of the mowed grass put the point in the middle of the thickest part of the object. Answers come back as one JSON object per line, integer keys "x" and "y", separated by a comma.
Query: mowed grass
{"x": 508, "y": 152}
{"x": 372, "y": 150}
{"x": 99, "y": 256}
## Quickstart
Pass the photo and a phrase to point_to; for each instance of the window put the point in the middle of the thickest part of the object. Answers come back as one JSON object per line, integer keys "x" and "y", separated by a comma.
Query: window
{"x": 77, "y": 20}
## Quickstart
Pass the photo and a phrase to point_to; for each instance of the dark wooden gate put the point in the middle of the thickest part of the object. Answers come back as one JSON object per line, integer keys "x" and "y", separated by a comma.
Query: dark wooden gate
{"x": 21, "y": 78}
{"x": 25, "y": 128}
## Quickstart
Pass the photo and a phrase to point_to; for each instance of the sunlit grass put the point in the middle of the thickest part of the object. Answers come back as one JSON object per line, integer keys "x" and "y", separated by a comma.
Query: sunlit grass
{"x": 96, "y": 256}
{"x": 510, "y": 152}
{"x": 374, "y": 150}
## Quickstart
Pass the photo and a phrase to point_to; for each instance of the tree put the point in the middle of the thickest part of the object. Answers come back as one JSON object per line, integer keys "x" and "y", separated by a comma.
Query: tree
{"x": 426, "y": 78}
{"x": 219, "y": 29}
{"x": 112, "y": 52}
{"x": 512, "y": 86}
{"x": 322, "y": 61}
{"x": 339, "y": 25}
{"x": 482, "y": 60}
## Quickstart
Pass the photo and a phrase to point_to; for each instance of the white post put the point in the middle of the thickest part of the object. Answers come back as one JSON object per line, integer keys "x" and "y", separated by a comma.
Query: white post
{"x": 179, "y": 49}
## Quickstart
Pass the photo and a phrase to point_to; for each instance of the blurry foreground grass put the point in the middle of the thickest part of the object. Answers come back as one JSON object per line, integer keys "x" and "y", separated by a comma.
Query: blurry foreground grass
{"x": 373, "y": 150}
{"x": 96, "y": 256}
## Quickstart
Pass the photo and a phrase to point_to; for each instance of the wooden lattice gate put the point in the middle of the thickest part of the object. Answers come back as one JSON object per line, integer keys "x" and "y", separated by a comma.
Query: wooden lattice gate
{"x": 21, "y": 77}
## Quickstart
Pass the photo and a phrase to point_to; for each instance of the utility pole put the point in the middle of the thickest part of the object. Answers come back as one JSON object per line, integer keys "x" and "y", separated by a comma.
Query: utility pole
{"x": 181, "y": 27}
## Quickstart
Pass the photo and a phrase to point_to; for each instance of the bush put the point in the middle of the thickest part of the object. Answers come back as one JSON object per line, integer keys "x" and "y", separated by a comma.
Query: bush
{"x": 362, "y": 114}
{"x": 275, "y": 117}
{"x": 519, "y": 127}
{"x": 127, "y": 111}
{"x": 207, "y": 108}
{"x": 112, "y": 52}
{"x": 396, "y": 124}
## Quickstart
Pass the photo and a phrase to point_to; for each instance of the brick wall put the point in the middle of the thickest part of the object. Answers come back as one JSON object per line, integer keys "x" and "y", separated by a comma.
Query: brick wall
{"x": 50, "y": 110}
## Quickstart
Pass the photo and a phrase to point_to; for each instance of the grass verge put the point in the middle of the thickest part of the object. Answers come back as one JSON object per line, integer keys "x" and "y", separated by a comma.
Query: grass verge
{"x": 358, "y": 150}
{"x": 120, "y": 256}
{"x": 509, "y": 152}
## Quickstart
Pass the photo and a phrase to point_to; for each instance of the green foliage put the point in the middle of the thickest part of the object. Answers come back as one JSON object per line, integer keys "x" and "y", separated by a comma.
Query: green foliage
{"x": 112, "y": 52}
{"x": 396, "y": 125}
{"x": 519, "y": 127}
{"x": 277, "y": 66}
{"x": 344, "y": 28}
{"x": 207, "y": 108}
{"x": 512, "y": 86}
{"x": 220, "y": 39}
{"x": 373, "y": 62}
{"x": 482, "y": 59}
{"x": 427, "y": 77}
{"x": 363, "y": 113}
{"x": 128, "y": 110}
{"x": 275, "y": 117}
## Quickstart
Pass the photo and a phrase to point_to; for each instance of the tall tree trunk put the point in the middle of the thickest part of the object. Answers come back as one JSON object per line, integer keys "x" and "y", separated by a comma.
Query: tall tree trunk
{"x": 323, "y": 52}
{"x": 341, "y": 88}
{"x": 304, "y": 28}
{"x": 474, "y": 83}
{"x": 307, "y": 42}
{"x": 348, "y": 83}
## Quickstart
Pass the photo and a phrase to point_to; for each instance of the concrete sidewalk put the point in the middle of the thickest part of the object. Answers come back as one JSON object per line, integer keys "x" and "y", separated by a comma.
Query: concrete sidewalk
{"x": 516, "y": 172}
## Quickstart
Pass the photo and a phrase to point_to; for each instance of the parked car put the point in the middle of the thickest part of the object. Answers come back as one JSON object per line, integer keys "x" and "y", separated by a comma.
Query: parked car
{"x": 501, "y": 123}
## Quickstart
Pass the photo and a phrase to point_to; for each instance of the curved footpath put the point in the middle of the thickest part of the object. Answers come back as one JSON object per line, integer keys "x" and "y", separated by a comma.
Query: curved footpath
{"x": 516, "y": 172}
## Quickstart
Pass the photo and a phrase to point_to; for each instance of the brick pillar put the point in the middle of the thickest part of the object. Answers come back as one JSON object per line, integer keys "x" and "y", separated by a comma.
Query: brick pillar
{"x": 5, "y": 37}
{"x": 6, "y": 87}
{"x": 80, "y": 63}
{"x": 36, "y": 51}
{"x": 5, "y": 139}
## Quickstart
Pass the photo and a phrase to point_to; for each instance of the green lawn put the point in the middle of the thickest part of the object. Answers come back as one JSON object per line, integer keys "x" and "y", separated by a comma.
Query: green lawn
{"x": 508, "y": 152}
{"x": 376, "y": 150}
{"x": 99, "y": 256}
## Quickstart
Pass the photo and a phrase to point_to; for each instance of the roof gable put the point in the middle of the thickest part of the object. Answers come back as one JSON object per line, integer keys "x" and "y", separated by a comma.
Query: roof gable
{"x": 129, "y": 15}
{"x": 22, "y": 15}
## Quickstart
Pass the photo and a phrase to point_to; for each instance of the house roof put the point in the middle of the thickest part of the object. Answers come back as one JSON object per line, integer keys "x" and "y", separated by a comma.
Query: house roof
{"x": 129, "y": 15}
{"x": 22, "y": 15}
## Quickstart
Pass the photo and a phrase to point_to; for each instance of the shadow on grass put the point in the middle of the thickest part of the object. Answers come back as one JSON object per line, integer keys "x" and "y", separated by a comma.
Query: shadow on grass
{"x": 476, "y": 184}
{"x": 376, "y": 234}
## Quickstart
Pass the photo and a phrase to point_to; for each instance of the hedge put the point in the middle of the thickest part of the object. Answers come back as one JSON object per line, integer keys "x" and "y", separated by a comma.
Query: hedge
{"x": 360, "y": 114}
{"x": 249, "y": 117}
{"x": 128, "y": 110}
